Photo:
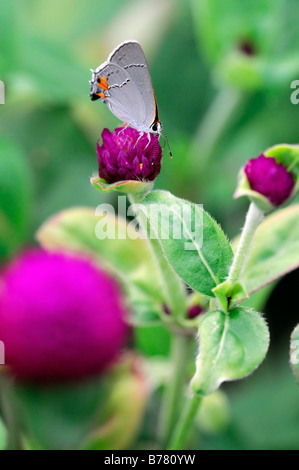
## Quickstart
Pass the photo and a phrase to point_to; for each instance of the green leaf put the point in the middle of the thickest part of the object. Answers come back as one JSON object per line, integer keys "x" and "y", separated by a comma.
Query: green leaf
{"x": 275, "y": 249}
{"x": 15, "y": 197}
{"x": 3, "y": 435}
{"x": 59, "y": 417}
{"x": 231, "y": 346}
{"x": 190, "y": 238}
{"x": 120, "y": 250}
{"x": 128, "y": 187}
{"x": 294, "y": 353}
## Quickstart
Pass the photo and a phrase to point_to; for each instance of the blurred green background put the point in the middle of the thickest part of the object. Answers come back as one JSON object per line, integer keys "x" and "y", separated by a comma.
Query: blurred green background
{"x": 222, "y": 73}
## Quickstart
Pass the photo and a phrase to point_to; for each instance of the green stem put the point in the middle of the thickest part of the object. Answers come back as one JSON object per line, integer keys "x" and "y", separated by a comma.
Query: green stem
{"x": 184, "y": 425}
{"x": 174, "y": 391}
{"x": 253, "y": 218}
{"x": 8, "y": 408}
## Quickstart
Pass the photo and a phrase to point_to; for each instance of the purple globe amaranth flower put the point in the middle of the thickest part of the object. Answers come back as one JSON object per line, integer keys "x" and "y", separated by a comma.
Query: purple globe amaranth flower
{"x": 61, "y": 317}
{"x": 124, "y": 155}
{"x": 269, "y": 178}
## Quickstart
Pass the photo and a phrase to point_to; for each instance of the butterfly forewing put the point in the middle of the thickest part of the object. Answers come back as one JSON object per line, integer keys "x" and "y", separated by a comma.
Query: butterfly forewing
{"x": 124, "y": 98}
{"x": 130, "y": 57}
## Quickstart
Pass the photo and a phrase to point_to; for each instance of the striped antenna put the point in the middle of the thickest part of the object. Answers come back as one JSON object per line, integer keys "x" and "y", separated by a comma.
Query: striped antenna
{"x": 163, "y": 133}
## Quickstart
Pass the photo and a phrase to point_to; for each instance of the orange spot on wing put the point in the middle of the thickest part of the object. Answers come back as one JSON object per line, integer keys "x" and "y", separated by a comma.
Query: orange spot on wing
{"x": 102, "y": 83}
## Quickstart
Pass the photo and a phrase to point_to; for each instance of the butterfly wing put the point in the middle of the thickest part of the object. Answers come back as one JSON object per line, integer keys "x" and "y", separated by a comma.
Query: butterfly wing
{"x": 130, "y": 57}
{"x": 123, "y": 96}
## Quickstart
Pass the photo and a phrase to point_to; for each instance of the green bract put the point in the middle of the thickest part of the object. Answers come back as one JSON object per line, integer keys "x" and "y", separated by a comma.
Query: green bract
{"x": 287, "y": 155}
{"x": 139, "y": 188}
{"x": 244, "y": 189}
{"x": 228, "y": 294}
{"x": 231, "y": 346}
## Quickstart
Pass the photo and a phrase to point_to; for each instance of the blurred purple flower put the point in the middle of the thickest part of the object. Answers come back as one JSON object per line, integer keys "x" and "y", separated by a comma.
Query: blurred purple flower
{"x": 124, "y": 155}
{"x": 194, "y": 311}
{"x": 269, "y": 178}
{"x": 60, "y": 317}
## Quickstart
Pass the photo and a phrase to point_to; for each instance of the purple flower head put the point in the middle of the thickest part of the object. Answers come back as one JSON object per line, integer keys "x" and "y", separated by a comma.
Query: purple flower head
{"x": 61, "y": 317}
{"x": 269, "y": 178}
{"x": 124, "y": 155}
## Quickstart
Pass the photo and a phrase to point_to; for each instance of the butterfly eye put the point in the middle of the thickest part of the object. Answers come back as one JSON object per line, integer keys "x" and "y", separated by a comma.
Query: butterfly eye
{"x": 156, "y": 127}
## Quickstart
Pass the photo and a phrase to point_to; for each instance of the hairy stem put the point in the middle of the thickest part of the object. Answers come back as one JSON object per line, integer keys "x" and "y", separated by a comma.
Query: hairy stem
{"x": 185, "y": 423}
{"x": 174, "y": 391}
{"x": 253, "y": 218}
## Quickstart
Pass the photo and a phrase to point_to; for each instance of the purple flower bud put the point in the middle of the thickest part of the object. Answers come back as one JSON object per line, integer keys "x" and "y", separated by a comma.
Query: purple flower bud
{"x": 194, "y": 311}
{"x": 61, "y": 317}
{"x": 166, "y": 309}
{"x": 269, "y": 178}
{"x": 124, "y": 155}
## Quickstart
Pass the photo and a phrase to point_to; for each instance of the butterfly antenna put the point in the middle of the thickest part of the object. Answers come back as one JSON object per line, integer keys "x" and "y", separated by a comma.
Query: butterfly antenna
{"x": 163, "y": 133}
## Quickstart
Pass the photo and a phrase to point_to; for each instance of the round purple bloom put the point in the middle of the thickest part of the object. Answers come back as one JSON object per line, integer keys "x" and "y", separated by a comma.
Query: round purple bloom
{"x": 60, "y": 317}
{"x": 124, "y": 155}
{"x": 269, "y": 178}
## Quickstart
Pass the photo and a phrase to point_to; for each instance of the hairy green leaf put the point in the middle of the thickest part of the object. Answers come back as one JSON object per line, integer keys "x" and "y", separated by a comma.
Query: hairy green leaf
{"x": 191, "y": 240}
{"x": 231, "y": 346}
{"x": 275, "y": 249}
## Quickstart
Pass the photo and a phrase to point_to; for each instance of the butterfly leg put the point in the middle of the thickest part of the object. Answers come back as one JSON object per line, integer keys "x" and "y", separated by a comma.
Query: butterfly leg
{"x": 140, "y": 135}
{"x": 123, "y": 128}
{"x": 149, "y": 140}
